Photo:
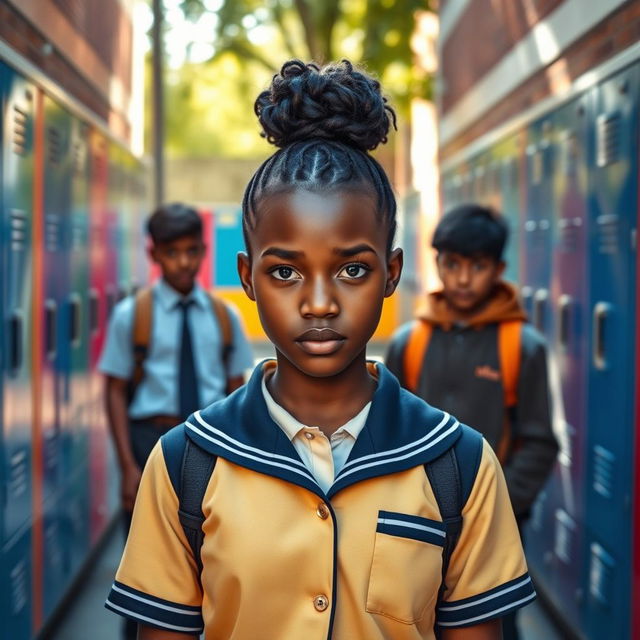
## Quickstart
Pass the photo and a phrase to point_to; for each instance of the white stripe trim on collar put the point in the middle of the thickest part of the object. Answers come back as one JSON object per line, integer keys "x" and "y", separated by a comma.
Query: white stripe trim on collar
{"x": 343, "y": 475}
{"x": 241, "y": 445}
{"x": 252, "y": 457}
{"x": 404, "y": 447}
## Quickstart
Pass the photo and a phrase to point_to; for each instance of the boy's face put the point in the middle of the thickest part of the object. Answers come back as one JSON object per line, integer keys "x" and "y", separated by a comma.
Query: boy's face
{"x": 468, "y": 281}
{"x": 319, "y": 272}
{"x": 179, "y": 261}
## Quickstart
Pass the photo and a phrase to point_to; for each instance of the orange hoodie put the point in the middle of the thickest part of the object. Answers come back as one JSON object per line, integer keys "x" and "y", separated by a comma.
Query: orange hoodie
{"x": 504, "y": 305}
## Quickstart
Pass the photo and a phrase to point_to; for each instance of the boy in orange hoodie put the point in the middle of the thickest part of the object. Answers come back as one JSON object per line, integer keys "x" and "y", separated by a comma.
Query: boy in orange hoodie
{"x": 472, "y": 353}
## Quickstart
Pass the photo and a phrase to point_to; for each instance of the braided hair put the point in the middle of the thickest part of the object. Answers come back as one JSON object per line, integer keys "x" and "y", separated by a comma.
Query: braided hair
{"x": 324, "y": 121}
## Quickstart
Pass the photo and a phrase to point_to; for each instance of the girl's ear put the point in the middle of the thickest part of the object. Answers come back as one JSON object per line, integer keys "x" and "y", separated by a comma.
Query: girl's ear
{"x": 394, "y": 271}
{"x": 244, "y": 271}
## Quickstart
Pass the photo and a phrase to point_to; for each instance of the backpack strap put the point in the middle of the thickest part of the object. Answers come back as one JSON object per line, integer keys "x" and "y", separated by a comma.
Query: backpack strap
{"x": 444, "y": 476}
{"x": 414, "y": 352}
{"x": 140, "y": 336}
{"x": 452, "y": 476}
{"x": 221, "y": 312}
{"x": 510, "y": 355}
{"x": 195, "y": 471}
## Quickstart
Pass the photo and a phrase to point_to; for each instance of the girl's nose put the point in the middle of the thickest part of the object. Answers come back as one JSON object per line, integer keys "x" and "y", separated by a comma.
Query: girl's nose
{"x": 319, "y": 299}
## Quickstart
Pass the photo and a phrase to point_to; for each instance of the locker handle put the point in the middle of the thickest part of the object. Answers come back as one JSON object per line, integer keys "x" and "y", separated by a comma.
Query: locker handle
{"x": 565, "y": 304}
{"x": 51, "y": 328}
{"x": 75, "y": 319}
{"x": 539, "y": 309}
{"x": 601, "y": 312}
{"x": 93, "y": 310}
{"x": 16, "y": 337}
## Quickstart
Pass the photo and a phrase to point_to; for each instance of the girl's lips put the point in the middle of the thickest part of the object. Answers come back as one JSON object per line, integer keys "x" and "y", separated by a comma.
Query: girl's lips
{"x": 320, "y": 347}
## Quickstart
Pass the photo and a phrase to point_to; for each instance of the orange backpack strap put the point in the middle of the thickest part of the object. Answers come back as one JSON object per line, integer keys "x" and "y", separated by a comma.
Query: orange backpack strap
{"x": 510, "y": 354}
{"x": 414, "y": 353}
{"x": 141, "y": 335}
{"x": 221, "y": 312}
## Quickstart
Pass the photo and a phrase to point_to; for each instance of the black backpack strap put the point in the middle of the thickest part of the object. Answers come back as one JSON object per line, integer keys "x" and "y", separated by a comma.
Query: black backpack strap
{"x": 444, "y": 476}
{"x": 195, "y": 472}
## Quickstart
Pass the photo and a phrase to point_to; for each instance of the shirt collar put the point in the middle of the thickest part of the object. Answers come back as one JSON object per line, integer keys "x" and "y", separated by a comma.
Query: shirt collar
{"x": 169, "y": 297}
{"x": 292, "y": 427}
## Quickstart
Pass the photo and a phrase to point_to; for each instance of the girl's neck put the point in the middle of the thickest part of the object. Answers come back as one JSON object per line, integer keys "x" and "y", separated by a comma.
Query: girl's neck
{"x": 327, "y": 403}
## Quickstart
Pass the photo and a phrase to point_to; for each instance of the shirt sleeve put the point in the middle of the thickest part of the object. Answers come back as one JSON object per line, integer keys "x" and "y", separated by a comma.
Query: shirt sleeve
{"x": 487, "y": 576}
{"x": 241, "y": 357}
{"x": 117, "y": 357}
{"x": 157, "y": 582}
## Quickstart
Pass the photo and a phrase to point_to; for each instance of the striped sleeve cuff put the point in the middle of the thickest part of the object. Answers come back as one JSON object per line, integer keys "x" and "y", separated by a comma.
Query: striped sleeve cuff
{"x": 152, "y": 611}
{"x": 488, "y": 605}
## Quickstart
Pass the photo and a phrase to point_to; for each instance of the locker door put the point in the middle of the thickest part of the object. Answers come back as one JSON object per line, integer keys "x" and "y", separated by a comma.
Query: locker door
{"x": 612, "y": 210}
{"x": 16, "y": 214}
{"x": 54, "y": 358}
{"x": 536, "y": 277}
{"x": 568, "y": 351}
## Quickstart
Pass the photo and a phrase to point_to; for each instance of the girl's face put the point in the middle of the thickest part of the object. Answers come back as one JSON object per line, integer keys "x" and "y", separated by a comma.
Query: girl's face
{"x": 319, "y": 272}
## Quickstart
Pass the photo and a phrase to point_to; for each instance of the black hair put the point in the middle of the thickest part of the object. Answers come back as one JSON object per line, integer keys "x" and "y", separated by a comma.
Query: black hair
{"x": 471, "y": 229}
{"x": 172, "y": 221}
{"x": 324, "y": 120}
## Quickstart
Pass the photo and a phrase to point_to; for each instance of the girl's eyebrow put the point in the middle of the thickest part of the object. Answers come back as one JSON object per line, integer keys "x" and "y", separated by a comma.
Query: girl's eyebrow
{"x": 352, "y": 251}
{"x": 285, "y": 254}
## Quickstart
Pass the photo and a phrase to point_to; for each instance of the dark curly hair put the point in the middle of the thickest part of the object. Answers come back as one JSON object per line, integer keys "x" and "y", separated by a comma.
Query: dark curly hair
{"x": 325, "y": 120}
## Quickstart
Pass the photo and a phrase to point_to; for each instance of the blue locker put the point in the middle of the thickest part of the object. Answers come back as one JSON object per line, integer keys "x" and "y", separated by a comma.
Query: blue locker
{"x": 508, "y": 162}
{"x": 568, "y": 355}
{"x": 18, "y": 98}
{"x": 228, "y": 241}
{"x": 613, "y": 206}
{"x": 536, "y": 276}
{"x": 15, "y": 596}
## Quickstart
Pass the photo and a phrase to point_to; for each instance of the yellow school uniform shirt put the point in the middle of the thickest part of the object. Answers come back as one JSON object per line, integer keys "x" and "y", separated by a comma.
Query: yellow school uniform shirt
{"x": 284, "y": 559}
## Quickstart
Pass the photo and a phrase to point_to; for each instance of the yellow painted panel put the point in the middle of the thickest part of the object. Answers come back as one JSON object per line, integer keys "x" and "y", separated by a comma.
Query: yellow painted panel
{"x": 389, "y": 319}
{"x": 247, "y": 309}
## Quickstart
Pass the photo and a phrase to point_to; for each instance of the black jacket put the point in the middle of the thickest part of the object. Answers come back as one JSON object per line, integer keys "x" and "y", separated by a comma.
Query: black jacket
{"x": 460, "y": 375}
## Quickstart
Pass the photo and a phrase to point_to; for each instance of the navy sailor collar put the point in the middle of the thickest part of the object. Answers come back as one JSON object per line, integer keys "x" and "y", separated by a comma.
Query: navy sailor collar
{"x": 401, "y": 432}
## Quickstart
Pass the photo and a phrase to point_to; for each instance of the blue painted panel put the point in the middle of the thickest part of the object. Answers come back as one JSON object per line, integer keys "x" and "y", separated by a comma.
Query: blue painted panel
{"x": 613, "y": 205}
{"x": 54, "y": 307}
{"x": 15, "y": 597}
{"x": 227, "y": 221}
{"x": 16, "y": 232}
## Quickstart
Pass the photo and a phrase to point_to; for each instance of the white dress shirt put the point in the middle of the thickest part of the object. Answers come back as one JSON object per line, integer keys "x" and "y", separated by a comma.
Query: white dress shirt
{"x": 324, "y": 457}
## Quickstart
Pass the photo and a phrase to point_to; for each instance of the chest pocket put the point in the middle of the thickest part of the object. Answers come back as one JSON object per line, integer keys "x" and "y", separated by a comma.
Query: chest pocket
{"x": 407, "y": 566}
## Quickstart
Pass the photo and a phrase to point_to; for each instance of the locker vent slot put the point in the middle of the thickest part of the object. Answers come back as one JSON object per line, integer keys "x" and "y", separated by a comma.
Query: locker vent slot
{"x": 18, "y": 230}
{"x": 601, "y": 574}
{"x": 535, "y": 161}
{"x": 570, "y": 230}
{"x": 79, "y": 158}
{"x": 19, "y": 587}
{"x": 603, "y": 471}
{"x": 608, "y": 233}
{"x": 54, "y": 144}
{"x": 53, "y": 229}
{"x": 569, "y": 152}
{"x": 537, "y": 511}
{"x": 18, "y": 475}
{"x": 19, "y": 131}
{"x": 564, "y": 537}
{"x": 608, "y": 139}
{"x": 77, "y": 237}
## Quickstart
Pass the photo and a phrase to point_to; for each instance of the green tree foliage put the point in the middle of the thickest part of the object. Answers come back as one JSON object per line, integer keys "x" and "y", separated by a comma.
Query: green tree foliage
{"x": 251, "y": 41}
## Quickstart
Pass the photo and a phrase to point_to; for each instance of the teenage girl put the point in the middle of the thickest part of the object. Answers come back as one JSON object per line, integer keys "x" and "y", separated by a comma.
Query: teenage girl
{"x": 320, "y": 520}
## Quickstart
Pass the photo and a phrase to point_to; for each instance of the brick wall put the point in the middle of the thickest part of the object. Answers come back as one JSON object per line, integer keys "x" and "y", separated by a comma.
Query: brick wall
{"x": 620, "y": 30}
{"x": 85, "y": 78}
{"x": 485, "y": 33}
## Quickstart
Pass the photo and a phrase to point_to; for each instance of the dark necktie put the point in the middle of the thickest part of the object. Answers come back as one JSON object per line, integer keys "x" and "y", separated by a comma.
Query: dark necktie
{"x": 187, "y": 380}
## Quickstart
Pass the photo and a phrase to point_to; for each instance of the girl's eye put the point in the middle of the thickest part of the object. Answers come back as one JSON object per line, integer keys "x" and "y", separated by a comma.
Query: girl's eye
{"x": 284, "y": 273}
{"x": 353, "y": 271}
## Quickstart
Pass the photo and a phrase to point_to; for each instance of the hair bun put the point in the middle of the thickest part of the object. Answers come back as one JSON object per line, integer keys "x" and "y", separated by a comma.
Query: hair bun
{"x": 335, "y": 102}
